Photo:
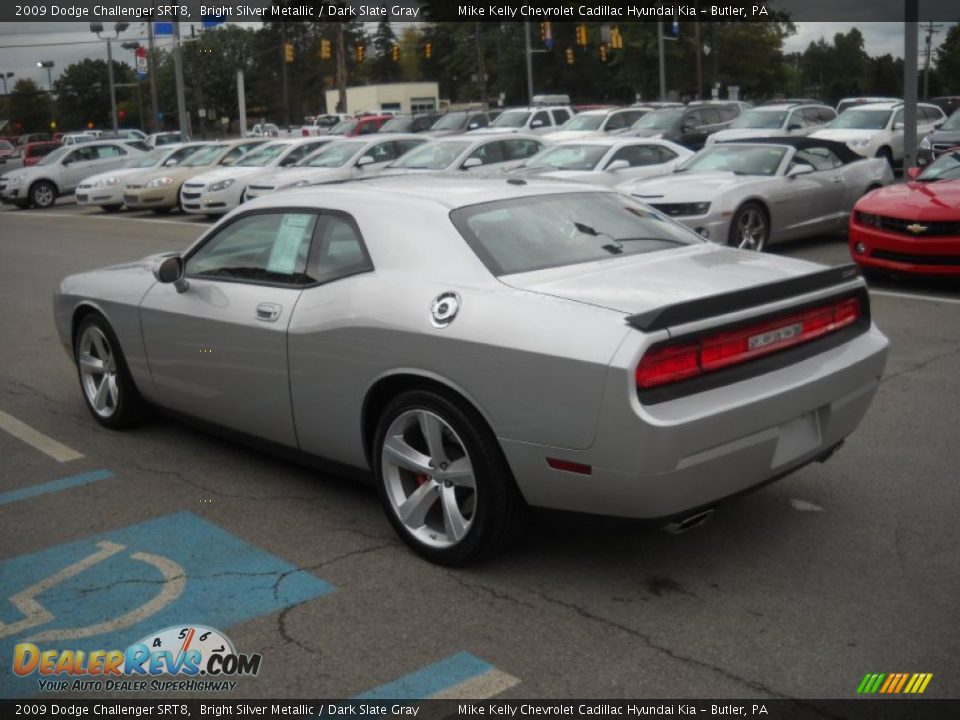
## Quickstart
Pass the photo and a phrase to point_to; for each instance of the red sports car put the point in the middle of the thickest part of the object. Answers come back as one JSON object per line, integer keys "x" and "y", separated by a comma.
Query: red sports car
{"x": 912, "y": 227}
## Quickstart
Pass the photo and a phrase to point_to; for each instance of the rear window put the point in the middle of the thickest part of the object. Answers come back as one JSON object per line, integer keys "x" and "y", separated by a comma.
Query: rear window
{"x": 534, "y": 233}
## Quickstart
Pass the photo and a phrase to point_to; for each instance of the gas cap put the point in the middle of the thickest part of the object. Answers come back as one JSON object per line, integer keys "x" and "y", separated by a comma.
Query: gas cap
{"x": 444, "y": 309}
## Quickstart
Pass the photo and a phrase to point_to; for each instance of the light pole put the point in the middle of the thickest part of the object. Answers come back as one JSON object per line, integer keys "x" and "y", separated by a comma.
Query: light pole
{"x": 4, "y": 77}
{"x": 133, "y": 45}
{"x": 42, "y": 64}
{"x": 118, "y": 28}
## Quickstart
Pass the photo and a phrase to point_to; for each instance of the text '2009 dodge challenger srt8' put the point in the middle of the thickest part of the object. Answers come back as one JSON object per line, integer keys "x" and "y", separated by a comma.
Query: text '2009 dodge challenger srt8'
{"x": 485, "y": 344}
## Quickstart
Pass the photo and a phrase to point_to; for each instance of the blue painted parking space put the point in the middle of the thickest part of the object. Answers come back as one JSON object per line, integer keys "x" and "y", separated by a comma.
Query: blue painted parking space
{"x": 53, "y": 486}
{"x": 432, "y": 679}
{"x": 108, "y": 591}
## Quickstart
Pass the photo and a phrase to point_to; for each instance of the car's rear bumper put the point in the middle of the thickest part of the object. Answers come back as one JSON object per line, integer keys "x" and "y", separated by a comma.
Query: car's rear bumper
{"x": 887, "y": 251}
{"x": 663, "y": 461}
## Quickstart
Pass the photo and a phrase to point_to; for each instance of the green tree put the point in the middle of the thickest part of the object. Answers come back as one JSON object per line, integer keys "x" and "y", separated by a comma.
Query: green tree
{"x": 948, "y": 62}
{"x": 83, "y": 93}
{"x": 383, "y": 68}
{"x": 30, "y": 107}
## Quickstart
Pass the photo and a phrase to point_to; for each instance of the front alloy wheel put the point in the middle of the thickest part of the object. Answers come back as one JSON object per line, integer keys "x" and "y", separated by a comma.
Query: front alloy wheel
{"x": 445, "y": 485}
{"x": 750, "y": 228}
{"x": 108, "y": 389}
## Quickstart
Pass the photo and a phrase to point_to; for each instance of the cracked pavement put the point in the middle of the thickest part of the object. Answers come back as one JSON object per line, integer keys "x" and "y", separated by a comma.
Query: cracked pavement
{"x": 763, "y": 601}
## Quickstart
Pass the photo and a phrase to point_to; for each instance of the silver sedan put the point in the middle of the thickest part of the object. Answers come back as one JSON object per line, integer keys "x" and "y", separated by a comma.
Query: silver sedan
{"x": 484, "y": 344}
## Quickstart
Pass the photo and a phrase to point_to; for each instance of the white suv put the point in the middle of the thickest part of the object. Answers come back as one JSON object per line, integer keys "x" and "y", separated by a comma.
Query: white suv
{"x": 782, "y": 120}
{"x": 61, "y": 171}
{"x": 539, "y": 120}
{"x": 876, "y": 130}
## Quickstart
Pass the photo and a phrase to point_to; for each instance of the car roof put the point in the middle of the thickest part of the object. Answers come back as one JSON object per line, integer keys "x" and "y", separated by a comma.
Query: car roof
{"x": 887, "y": 105}
{"x": 449, "y": 190}
{"x": 801, "y": 143}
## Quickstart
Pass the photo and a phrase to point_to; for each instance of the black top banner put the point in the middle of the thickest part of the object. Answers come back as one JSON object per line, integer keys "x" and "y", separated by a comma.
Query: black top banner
{"x": 620, "y": 11}
{"x": 759, "y": 709}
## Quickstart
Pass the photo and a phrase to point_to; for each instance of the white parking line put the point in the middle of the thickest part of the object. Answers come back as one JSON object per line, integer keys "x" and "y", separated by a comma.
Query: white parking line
{"x": 200, "y": 224}
{"x": 43, "y": 443}
{"x": 911, "y": 296}
{"x": 491, "y": 683}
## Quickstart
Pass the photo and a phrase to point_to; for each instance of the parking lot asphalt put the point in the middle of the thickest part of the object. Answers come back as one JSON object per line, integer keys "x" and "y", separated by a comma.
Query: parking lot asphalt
{"x": 797, "y": 590}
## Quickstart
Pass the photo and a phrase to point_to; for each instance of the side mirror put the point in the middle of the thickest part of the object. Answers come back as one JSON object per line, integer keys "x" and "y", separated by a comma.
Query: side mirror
{"x": 365, "y": 160}
{"x": 938, "y": 123}
{"x": 170, "y": 163}
{"x": 473, "y": 126}
{"x": 898, "y": 126}
{"x": 471, "y": 162}
{"x": 913, "y": 172}
{"x": 618, "y": 165}
{"x": 66, "y": 161}
{"x": 170, "y": 270}
{"x": 799, "y": 169}
{"x": 536, "y": 123}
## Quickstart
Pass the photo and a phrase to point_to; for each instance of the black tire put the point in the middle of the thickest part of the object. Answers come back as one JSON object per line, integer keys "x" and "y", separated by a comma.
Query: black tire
{"x": 22, "y": 204}
{"x": 43, "y": 194}
{"x": 498, "y": 507}
{"x": 111, "y": 208}
{"x": 749, "y": 210}
{"x": 130, "y": 408}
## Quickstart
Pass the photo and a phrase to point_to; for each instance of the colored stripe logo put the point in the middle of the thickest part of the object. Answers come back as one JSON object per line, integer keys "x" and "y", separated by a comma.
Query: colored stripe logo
{"x": 894, "y": 683}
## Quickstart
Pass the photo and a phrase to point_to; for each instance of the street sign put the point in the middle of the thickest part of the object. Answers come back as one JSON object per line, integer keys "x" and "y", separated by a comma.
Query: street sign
{"x": 141, "y": 56}
{"x": 163, "y": 28}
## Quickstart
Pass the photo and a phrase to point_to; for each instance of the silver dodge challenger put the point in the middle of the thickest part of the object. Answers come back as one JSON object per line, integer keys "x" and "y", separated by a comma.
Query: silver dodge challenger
{"x": 485, "y": 344}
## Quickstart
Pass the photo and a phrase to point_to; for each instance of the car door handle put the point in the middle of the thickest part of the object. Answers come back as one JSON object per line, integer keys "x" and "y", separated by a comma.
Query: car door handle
{"x": 268, "y": 312}
{"x": 837, "y": 180}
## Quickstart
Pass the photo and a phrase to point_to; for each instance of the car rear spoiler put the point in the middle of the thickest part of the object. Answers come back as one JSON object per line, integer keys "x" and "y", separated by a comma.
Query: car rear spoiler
{"x": 714, "y": 305}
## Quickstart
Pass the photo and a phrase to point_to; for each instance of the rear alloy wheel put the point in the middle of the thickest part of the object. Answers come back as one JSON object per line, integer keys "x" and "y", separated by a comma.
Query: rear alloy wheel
{"x": 43, "y": 194}
{"x": 443, "y": 480}
{"x": 750, "y": 228}
{"x": 107, "y": 387}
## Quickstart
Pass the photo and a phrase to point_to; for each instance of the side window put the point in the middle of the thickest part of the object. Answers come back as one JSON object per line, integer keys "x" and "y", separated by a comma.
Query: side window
{"x": 827, "y": 115}
{"x": 339, "y": 249}
{"x": 617, "y": 121}
{"x": 520, "y": 149}
{"x": 694, "y": 118}
{"x": 819, "y": 157}
{"x": 299, "y": 153}
{"x": 82, "y": 154}
{"x": 637, "y": 155}
{"x": 404, "y": 146}
{"x": 382, "y": 152}
{"x": 106, "y": 152}
{"x": 231, "y": 157}
{"x": 266, "y": 247}
{"x": 726, "y": 113}
{"x": 665, "y": 154}
{"x": 542, "y": 117}
{"x": 560, "y": 117}
{"x": 480, "y": 120}
{"x": 630, "y": 116}
{"x": 491, "y": 152}
{"x": 897, "y": 118}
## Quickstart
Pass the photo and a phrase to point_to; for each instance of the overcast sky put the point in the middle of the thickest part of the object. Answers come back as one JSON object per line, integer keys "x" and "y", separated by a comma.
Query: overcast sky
{"x": 36, "y": 38}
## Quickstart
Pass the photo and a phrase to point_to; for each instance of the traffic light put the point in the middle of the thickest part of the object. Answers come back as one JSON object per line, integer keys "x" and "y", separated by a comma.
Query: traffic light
{"x": 581, "y": 34}
{"x": 603, "y": 53}
{"x": 428, "y": 50}
{"x": 395, "y": 53}
{"x": 543, "y": 32}
{"x": 325, "y": 49}
{"x": 547, "y": 34}
{"x": 616, "y": 39}
{"x": 288, "y": 52}
{"x": 671, "y": 29}
{"x": 569, "y": 55}
{"x": 361, "y": 51}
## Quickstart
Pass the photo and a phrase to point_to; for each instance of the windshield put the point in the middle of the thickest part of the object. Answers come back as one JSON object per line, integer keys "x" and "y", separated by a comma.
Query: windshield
{"x": 861, "y": 120}
{"x": 512, "y": 119}
{"x": 150, "y": 159}
{"x": 946, "y": 167}
{"x": 533, "y": 233}
{"x": 334, "y": 156}
{"x": 738, "y": 159}
{"x": 55, "y": 156}
{"x": 397, "y": 124}
{"x": 569, "y": 157}
{"x": 262, "y": 156}
{"x": 343, "y": 128}
{"x": 760, "y": 119}
{"x": 584, "y": 122}
{"x": 450, "y": 121}
{"x": 952, "y": 122}
{"x": 204, "y": 156}
{"x": 659, "y": 120}
{"x": 432, "y": 156}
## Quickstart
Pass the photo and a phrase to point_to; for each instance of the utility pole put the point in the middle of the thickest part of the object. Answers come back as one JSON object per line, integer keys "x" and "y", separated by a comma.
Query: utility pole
{"x": 663, "y": 62}
{"x": 699, "y": 45}
{"x": 152, "y": 74}
{"x": 911, "y": 16}
{"x": 178, "y": 72}
{"x": 341, "y": 69}
{"x": 528, "y": 52}
{"x": 481, "y": 66}
{"x": 242, "y": 101}
{"x": 931, "y": 31}
{"x": 283, "y": 74}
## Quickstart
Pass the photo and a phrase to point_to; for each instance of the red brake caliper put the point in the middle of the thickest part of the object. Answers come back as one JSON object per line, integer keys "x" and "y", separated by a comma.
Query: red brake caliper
{"x": 421, "y": 478}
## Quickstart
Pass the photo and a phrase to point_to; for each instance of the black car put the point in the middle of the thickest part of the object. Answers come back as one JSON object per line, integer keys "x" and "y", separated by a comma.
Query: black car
{"x": 688, "y": 126}
{"x": 455, "y": 123}
{"x": 940, "y": 140}
{"x": 410, "y": 123}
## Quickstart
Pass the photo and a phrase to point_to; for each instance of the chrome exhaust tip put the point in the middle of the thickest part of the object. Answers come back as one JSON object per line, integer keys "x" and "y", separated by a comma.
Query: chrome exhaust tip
{"x": 689, "y": 522}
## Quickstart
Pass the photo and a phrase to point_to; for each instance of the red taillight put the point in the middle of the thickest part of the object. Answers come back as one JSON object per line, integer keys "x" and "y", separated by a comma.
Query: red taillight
{"x": 672, "y": 363}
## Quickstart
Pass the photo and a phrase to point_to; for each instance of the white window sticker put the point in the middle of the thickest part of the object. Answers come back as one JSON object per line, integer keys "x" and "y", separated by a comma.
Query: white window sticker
{"x": 293, "y": 233}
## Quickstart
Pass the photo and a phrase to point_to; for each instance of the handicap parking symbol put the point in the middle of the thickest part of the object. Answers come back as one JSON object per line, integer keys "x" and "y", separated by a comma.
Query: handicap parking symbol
{"x": 109, "y": 590}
